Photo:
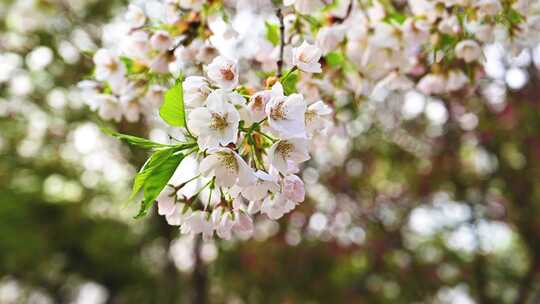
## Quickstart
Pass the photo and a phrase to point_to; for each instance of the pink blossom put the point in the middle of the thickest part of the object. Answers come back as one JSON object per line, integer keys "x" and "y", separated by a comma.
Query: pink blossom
{"x": 293, "y": 188}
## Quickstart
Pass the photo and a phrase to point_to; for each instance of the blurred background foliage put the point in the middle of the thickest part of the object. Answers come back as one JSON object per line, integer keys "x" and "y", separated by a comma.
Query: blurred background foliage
{"x": 396, "y": 221}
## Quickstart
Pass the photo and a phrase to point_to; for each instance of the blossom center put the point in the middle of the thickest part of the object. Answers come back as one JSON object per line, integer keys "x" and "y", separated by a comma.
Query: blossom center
{"x": 303, "y": 57}
{"x": 112, "y": 66}
{"x": 258, "y": 102}
{"x": 228, "y": 161}
{"x": 284, "y": 149}
{"x": 310, "y": 116}
{"x": 219, "y": 122}
{"x": 278, "y": 112}
{"x": 227, "y": 74}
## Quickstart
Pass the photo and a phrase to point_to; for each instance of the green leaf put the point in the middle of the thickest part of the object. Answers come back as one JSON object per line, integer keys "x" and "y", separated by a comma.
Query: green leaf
{"x": 272, "y": 33}
{"x": 395, "y": 18}
{"x": 313, "y": 22}
{"x": 289, "y": 82}
{"x": 134, "y": 140}
{"x": 128, "y": 63}
{"x": 172, "y": 110}
{"x": 154, "y": 176}
{"x": 514, "y": 17}
{"x": 155, "y": 160}
{"x": 335, "y": 59}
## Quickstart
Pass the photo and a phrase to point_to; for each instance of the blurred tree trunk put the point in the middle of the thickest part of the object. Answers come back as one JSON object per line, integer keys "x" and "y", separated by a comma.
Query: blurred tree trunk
{"x": 200, "y": 278}
{"x": 171, "y": 281}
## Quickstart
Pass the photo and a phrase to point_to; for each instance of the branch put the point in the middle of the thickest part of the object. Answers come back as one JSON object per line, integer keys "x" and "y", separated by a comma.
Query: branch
{"x": 347, "y": 14}
{"x": 279, "y": 14}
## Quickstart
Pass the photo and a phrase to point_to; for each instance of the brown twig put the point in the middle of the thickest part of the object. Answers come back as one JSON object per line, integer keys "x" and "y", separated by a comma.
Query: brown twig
{"x": 347, "y": 14}
{"x": 279, "y": 14}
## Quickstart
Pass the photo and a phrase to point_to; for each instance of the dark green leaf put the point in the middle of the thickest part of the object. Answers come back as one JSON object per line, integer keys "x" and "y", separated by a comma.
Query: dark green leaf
{"x": 172, "y": 110}
{"x": 272, "y": 33}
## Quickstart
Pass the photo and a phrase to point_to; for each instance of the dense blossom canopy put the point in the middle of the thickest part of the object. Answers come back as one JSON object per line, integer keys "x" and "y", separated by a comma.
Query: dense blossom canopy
{"x": 254, "y": 99}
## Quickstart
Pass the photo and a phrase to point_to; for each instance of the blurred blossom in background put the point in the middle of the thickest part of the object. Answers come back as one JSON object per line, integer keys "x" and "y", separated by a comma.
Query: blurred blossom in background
{"x": 414, "y": 199}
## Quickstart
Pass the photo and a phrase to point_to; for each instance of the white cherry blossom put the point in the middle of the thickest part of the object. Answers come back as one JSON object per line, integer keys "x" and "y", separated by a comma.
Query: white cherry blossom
{"x": 243, "y": 223}
{"x": 198, "y": 222}
{"x": 135, "y": 16}
{"x": 109, "y": 107}
{"x": 257, "y": 104}
{"x": 161, "y": 41}
{"x": 224, "y": 72}
{"x": 196, "y": 90}
{"x": 214, "y": 124}
{"x": 264, "y": 184}
{"x": 329, "y": 37}
{"x": 306, "y": 57}
{"x": 178, "y": 215}
{"x": 488, "y": 7}
{"x": 468, "y": 50}
{"x": 277, "y": 206}
{"x": 228, "y": 168}
{"x": 305, "y": 6}
{"x": 137, "y": 46}
{"x": 195, "y": 5}
{"x": 286, "y": 113}
{"x": 293, "y": 188}
{"x": 109, "y": 68}
{"x": 432, "y": 84}
{"x": 292, "y": 150}
{"x": 317, "y": 117}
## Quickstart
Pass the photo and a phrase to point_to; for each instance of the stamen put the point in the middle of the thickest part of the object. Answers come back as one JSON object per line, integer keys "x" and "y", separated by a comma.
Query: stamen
{"x": 258, "y": 102}
{"x": 228, "y": 161}
{"x": 310, "y": 116}
{"x": 277, "y": 112}
{"x": 227, "y": 74}
{"x": 284, "y": 149}
{"x": 219, "y": 122}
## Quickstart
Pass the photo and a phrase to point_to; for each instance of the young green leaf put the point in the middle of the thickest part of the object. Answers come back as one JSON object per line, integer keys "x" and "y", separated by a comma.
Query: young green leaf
{"x": 335, "y": 59}
{"x": 134, "y": 140}
{"x": 155, "y": 160}
{"x": 172, "y": 110}
{"x": 272, "y": 33}
{"x": 155, "y": 175}
{"x": 128, "y": 64}
{"x": 289, "y": 82}
{"x": 395, "y": 18}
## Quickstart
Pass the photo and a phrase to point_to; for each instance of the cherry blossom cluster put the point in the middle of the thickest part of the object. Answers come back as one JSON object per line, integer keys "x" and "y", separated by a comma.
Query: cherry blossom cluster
{"x": 249, "y": 149}
{"x": 434, "y": 47}
{"x": 141, "y": 51}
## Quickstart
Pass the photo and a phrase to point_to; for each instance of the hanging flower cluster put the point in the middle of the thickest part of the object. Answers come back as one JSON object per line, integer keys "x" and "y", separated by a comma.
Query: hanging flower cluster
{"x": 249, "y": 149}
